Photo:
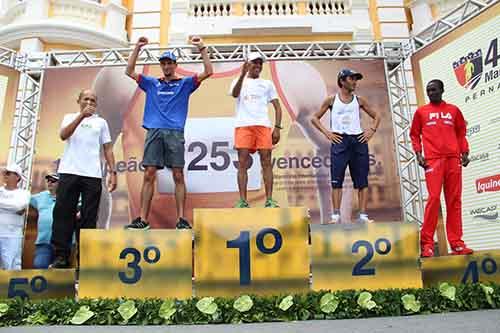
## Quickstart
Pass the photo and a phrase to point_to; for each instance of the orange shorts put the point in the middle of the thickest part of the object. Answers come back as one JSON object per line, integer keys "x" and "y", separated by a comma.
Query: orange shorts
{"x": 253, "y": 138}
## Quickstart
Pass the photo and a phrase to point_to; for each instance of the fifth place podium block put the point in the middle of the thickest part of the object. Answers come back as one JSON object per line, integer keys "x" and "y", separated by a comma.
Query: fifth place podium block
{"x": 249, "y": 251}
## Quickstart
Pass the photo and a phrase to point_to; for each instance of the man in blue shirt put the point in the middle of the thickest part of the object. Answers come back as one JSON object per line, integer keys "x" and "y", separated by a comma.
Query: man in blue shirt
{"x": 44, "y": 203}
{"x": 165, "y": 113}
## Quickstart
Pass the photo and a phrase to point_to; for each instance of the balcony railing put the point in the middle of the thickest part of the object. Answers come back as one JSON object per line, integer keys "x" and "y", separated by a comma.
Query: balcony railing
{"x": 217, "y": 8}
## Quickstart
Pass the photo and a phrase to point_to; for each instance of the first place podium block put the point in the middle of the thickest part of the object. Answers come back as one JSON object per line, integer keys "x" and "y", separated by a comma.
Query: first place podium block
{"x": 251, "y": 251}
{"x": 135, "y": 264}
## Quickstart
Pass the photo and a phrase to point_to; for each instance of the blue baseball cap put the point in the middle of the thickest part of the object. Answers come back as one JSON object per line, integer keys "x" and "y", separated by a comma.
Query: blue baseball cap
{"x": 168, "y": 55}
{"x": 346, "y": 72}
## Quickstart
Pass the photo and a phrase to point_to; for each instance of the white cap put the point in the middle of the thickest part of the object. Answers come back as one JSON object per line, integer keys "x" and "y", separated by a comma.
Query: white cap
{"x": 255, "y": 55}
{"x": 14, "y": 168}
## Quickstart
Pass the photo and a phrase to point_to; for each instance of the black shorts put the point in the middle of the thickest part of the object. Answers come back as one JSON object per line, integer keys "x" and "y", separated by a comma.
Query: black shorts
{"x": 164, "y": 148}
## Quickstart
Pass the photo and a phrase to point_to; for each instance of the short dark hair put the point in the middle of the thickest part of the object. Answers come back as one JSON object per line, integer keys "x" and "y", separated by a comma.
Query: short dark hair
{"x": 438, "y": 82}
{"x": 339, "y": 83}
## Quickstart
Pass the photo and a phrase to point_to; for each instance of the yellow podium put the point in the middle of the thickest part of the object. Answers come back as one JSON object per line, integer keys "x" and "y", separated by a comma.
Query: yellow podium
{"x": 37, "y": 283}
{"x": 251, "y": 251}
{"x": 366, "y": 256}
{"x": 138, "y": 264}
{"x": 482, "y": 266}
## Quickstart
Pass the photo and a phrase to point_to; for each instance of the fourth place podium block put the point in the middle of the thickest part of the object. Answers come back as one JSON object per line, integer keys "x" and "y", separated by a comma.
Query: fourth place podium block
{"x": 249, "y": 251}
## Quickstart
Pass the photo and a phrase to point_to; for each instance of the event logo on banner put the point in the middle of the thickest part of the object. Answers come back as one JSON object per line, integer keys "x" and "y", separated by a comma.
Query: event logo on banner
{"x": 468, "y": 69}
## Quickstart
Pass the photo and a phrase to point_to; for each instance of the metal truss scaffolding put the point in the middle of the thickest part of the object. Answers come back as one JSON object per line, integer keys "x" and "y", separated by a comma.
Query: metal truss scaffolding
{"x": 8, "y": 57}
{"x": 394, "y": 55}
{"x": 450, "y": 21}
{"x": 25, "y": 122}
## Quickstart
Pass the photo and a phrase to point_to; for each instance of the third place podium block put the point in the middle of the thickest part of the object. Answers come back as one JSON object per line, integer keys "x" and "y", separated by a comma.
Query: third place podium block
{"x": 138, "y": 264}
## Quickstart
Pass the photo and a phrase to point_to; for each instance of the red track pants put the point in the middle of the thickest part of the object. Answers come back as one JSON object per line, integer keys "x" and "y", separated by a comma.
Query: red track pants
{"x": 443, "y": 172}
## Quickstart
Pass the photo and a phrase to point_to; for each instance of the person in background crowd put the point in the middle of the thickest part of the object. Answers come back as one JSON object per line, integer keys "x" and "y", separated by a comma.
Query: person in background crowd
{"x": 44, "y": 203}
{"x": 13, "y": 204}
{"x": 440, "y": 128}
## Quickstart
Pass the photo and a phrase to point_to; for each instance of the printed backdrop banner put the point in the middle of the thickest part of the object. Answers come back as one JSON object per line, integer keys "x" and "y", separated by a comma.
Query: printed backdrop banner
{"x": 467, "y": 60}
{"x": 301, "y": 161}
{"x": 9, "y": 80}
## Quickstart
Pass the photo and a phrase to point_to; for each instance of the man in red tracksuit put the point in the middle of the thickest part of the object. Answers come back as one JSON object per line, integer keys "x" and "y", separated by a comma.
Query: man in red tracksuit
{"x": 441, "y": 128}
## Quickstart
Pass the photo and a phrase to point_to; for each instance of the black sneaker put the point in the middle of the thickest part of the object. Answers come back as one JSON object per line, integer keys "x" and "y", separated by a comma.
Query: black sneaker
{"x": 59, "y": 263}
{"x": 182, "y": 224}
{"x": 138, "y": 224}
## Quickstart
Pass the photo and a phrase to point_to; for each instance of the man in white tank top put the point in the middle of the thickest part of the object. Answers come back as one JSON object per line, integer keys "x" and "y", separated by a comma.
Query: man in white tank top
{"x": 349, "y": 140}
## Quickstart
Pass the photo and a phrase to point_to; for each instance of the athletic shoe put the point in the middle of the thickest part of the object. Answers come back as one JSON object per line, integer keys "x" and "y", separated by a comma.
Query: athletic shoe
{"x": 461, "y": 250}
{"x": 363, "y": 218}
{"x": 59, "y": 263}
{"x": 182, "y": 224}
{"x": 334, "y": 219}
{"x": 270, "y": 203}
{"x": 242, "y": 204}
{"x": 138, "y": 224}
{"x": 427, "y": 252}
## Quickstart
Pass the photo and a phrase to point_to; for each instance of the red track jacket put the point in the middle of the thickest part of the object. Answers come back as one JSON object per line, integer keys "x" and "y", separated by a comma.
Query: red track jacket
{"x": 442, "y": 129}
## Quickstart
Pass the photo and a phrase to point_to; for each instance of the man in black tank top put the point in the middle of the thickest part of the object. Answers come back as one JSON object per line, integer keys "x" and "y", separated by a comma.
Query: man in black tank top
{"x": 349, "y": 140}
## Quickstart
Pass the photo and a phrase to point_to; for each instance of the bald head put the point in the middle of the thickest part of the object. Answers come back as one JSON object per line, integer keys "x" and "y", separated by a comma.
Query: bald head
{"x": 87, "y": 100}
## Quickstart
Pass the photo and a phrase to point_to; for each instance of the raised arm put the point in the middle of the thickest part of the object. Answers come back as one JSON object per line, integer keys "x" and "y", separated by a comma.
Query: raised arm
{"x": 68, "y": 130}
{"x": 132, "y": 59}
{"x": 207, "y": 64}
{"x": 237, "y": 87}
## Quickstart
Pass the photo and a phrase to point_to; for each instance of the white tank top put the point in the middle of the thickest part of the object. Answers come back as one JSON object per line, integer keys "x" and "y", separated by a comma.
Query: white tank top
{"x": 344, "y": 118}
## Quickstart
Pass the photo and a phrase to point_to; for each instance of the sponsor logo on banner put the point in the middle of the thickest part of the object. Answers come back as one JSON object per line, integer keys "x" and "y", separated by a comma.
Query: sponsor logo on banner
{"x": 469, "y": 71}
{"x": 488, "y": 184}
{"x": 471, "y": 130}
{"x": 479, "y": 157}
{"x": 485, "y": 213}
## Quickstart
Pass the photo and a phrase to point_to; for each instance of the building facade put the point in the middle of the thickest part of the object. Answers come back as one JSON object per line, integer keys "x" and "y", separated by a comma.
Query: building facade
{"x": 44, "y": 25}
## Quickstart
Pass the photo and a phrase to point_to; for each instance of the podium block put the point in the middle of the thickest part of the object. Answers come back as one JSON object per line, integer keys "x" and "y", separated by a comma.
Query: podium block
{"x": 37, "y": 283}
{"x": 251, "y": 251}
{"x": 138, "y": 264}
{"x": 482, "y": 266}
{"x": 369, "y": 256}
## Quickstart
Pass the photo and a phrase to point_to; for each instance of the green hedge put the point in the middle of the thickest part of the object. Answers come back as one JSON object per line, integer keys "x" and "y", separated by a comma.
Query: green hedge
{"x": 245, "y": 309}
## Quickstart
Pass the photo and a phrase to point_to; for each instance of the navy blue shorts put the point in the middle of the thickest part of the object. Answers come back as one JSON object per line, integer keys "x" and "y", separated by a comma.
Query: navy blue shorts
{"x": 350, "y": 152}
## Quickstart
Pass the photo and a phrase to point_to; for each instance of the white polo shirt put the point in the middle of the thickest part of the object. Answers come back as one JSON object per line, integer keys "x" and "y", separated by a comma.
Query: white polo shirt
{"x": 82, "y": 152}
{"x": 11, "y": 202}
{"x": 251, "y": 104}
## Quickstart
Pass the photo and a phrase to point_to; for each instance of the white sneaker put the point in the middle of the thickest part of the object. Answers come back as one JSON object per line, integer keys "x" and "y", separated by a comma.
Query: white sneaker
{"x": 334, "y": 219}
{"x": 363, "y": 218}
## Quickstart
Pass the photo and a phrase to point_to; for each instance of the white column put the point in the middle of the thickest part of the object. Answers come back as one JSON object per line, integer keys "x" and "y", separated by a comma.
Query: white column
{"x": 361, "y": 19}
{"x": 178, "y": 30}
{"x": 31, "y": 45}
{"x": 36, "y": 10}
{"x": 115, "y": 19}
{"x": 422, "y": 15}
